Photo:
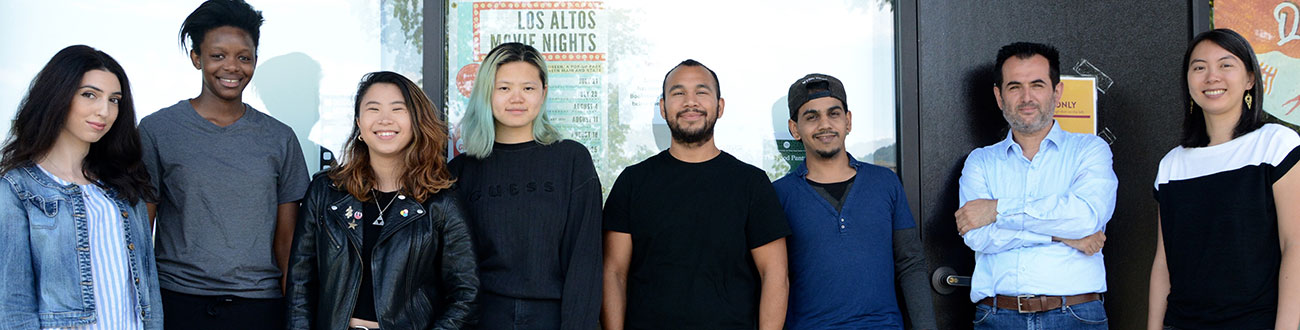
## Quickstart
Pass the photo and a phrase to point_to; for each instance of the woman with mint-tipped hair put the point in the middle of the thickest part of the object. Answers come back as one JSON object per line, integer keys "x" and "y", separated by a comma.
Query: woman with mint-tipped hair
{"x": 533, "y": 201}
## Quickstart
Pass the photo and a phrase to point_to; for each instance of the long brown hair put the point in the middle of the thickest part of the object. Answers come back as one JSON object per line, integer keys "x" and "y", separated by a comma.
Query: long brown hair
{"x": 424, "y": 166}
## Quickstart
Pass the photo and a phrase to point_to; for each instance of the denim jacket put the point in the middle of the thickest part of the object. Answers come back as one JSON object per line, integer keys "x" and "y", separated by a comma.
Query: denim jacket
{"x": 45, "y": 254}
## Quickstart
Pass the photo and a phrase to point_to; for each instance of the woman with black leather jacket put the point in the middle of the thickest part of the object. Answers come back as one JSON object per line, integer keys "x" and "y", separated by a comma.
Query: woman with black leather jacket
{"x": 380, "y": 240}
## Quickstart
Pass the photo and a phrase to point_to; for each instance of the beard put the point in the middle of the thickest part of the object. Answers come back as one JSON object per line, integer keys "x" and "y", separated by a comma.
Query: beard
{"x": 827, "y": 154}
{"x": 698, "y": 135}
{"x": 830, "y": 151}
{"x": 1039, "y": 122}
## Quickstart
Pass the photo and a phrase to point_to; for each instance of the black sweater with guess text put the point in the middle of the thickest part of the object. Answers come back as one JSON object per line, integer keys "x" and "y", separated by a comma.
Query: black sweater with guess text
{"x": 534, "y": 215}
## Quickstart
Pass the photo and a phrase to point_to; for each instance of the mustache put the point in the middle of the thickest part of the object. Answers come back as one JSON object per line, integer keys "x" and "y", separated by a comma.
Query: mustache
{"x": 1030, "y": 104}
{"x": 698, "y": 111}
{"x": 825, "y": 132}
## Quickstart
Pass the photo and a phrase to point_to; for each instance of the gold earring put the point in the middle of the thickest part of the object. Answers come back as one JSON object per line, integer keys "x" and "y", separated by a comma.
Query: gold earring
{"x": 1248, "y": 100}
{"x": 1191, "y": 106}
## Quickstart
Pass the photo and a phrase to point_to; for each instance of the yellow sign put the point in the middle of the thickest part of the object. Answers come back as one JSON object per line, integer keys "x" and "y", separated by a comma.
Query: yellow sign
{"x": 1077, "y": 110}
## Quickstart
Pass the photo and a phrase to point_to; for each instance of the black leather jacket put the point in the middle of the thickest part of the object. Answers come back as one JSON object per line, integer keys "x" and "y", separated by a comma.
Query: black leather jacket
{"x": 425, "y": 274}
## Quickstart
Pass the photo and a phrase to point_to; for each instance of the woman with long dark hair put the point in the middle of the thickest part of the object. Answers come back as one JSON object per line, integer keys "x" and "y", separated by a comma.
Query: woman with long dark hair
{"x": 229, "y": 180}
{"x": 533, "y": 201}
{"x": 381, "y": 242}
{"x": 1228, "y": 245}
{"x": 77, "y": 250}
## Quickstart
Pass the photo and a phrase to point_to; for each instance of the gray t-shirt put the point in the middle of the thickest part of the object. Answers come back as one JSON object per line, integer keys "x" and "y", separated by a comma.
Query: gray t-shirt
{"x": 219, "y": 188}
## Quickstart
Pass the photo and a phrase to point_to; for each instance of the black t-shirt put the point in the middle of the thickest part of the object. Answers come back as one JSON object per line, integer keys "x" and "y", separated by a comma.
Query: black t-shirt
{"x": 693, "y": 226}
{"x": 833, "y": 192}
{"x": 370, "y": 229}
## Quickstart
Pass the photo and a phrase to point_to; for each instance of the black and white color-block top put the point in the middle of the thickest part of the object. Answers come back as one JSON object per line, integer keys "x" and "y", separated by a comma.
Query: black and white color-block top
{"x": 1219, "y": 221}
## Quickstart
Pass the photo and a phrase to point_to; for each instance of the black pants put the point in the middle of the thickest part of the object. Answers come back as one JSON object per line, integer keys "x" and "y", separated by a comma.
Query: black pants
{"x": 506, "y": 313}
{"x": 187, "y": 311}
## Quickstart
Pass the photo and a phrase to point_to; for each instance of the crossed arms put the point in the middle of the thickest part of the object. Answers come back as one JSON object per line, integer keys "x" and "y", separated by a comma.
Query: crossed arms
{"x": 1076, "y": 217}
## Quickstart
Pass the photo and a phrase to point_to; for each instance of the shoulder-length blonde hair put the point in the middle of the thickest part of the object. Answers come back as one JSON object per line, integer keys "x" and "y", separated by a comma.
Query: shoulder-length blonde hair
{"x": 424, "y": 165}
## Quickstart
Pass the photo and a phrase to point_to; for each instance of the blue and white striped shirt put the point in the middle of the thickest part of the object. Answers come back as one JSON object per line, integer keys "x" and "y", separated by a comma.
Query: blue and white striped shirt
{"x": 110, "y": 265}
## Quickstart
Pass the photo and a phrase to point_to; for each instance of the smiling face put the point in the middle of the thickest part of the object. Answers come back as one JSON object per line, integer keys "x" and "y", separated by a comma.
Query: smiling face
{"x": 822, "y": 125}
{"x": 384, "y": 122}
{"x": 1217, "y": 80}
{"x": 690, "y": 104}
{"x": 1027, "y": 96}
{"x": 517, "y": 96}
{"x": 227, "y": 58}
{"x": 93, "y": 109}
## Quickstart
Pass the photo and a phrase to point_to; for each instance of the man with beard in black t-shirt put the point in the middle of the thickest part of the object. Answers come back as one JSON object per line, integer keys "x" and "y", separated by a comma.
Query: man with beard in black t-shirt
{"x": 694, "y": 238}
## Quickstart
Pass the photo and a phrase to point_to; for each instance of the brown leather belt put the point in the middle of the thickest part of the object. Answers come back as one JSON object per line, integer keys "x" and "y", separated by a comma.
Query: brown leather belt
{"x": 1034, "y": 304}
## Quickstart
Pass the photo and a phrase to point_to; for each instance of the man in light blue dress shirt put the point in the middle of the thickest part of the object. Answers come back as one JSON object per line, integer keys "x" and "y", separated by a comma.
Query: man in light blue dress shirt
{"x": 1035, "y": 205}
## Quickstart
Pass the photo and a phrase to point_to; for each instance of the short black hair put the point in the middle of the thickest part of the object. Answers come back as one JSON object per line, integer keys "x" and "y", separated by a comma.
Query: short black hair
{"x": 1024, "y": 50}
{"x": 213, "y": 14}
{"x": 717, "y": 86}
{"x": 1252, "y": 117}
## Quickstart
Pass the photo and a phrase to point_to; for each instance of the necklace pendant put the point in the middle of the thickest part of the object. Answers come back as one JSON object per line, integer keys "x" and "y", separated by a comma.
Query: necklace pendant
{"x": 379, "y": 220}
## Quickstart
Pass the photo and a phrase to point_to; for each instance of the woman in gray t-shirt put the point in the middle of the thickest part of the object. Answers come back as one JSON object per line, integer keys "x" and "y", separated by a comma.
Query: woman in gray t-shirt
{"x": 229, "y": 180}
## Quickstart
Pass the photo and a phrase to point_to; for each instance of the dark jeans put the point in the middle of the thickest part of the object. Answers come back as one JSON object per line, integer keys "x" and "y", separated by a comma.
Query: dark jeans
{"x": 1086, "y": 316}
{"x": 506, "y": 313}
{"x": 191, "y": 312}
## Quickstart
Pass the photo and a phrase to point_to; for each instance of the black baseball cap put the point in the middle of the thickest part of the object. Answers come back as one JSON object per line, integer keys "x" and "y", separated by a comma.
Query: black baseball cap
{"x": 815, "y": 86}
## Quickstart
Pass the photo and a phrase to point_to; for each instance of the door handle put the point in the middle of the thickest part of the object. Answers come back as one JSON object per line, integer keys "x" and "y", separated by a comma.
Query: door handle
{"x": 945, "y": 280}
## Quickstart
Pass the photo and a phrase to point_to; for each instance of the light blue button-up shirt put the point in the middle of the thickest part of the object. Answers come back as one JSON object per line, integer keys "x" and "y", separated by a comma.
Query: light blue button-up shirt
{"x": 1066, "y": 191}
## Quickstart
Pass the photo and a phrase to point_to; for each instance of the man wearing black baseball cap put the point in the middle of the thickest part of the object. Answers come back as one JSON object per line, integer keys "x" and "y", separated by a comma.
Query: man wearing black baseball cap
{"x": 853, "y": 233}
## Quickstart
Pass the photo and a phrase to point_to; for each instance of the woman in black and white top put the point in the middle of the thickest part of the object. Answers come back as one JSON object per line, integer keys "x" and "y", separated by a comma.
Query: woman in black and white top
{"x": 1228, "y": 252}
